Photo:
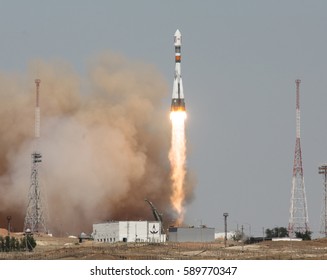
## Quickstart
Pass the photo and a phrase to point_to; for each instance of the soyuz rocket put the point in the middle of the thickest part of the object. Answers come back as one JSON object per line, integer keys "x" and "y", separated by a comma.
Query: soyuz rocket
{"x": 177, "y": 102}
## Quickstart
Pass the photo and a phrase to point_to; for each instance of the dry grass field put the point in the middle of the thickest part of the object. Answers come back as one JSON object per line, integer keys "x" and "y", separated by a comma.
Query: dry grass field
{"x": 54, "y": 248}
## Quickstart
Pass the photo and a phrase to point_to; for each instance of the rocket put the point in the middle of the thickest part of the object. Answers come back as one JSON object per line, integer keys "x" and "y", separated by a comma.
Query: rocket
{"x": 177, "y": 102}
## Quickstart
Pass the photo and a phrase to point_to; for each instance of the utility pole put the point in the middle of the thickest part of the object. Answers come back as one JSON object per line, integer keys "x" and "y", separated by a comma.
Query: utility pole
{"x": 225, "y": 218}
{"x": 263, "y": 234}
{"x": 8, "y": 222}
{"x": 242, "y": 230}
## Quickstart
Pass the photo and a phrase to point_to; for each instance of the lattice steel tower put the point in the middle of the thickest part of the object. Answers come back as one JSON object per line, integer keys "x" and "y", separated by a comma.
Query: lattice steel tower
{"x": 35, "y": 216}
{"x": 298, "y": 220}
{"x": 323, "y": 223}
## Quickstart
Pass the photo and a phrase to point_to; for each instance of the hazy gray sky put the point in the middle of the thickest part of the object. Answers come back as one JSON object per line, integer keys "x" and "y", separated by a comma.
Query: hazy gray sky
{"x": 240, "y": 60}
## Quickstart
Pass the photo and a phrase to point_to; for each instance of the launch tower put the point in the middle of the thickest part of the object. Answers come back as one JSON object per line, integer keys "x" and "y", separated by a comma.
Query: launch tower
{"x": 35, "y": 218}
{"x": 298, "y": 219}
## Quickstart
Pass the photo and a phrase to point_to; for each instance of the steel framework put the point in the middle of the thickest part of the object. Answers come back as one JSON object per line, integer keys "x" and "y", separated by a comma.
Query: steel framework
{"x": 35, "y": 216}
{"x": 298, "y": 218}
{"x": 323, "y": 223}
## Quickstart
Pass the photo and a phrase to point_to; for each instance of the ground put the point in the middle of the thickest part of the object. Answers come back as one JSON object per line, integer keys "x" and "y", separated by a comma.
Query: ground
{"x": 64, "y": 248}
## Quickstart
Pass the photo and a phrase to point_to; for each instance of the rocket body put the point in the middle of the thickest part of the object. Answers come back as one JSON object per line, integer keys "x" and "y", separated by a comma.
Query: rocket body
{"x": 178, "y": 103}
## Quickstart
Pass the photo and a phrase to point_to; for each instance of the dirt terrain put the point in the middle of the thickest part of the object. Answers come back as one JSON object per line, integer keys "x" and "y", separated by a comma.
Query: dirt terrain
{"x": 54, "y": 248}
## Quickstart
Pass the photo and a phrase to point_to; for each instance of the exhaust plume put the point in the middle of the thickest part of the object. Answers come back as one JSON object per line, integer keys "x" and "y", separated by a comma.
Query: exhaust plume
{"x": 104, "y": 143}
{"x": 177, "y": 157}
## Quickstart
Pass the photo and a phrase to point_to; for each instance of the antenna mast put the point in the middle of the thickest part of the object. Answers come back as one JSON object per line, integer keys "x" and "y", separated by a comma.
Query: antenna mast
{"x": 37, "y": 109}
{"x": 323, "y": 225}
{"x": 298, "y": 219}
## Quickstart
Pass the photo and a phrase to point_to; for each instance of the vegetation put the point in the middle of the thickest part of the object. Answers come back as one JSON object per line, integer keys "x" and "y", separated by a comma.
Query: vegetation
{"x": 237, "y": 236}
{"x": 12, "y": 244}
{"x": 276, "y": 232}
{"x": 283, "y": 232}
{"x": 305, "y": 236}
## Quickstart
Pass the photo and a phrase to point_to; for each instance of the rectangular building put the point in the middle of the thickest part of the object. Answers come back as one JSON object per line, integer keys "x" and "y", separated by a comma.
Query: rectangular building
{"x": 128, "y": 231}
{"x": 191, "y": 234}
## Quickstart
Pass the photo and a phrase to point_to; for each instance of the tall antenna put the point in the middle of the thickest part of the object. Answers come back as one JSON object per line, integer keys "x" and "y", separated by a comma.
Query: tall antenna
{"x": 37, "y": 109}
{"x": 323, "y": 224}
{"x": 298, "y": 219}
{"x": 34, "y": 219}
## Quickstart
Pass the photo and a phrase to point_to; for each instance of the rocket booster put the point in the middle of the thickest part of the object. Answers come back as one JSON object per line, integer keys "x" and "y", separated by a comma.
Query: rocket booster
{"x": 178, "y": 103}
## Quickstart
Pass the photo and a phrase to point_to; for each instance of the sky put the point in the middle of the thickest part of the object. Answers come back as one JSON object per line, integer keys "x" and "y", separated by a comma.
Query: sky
{"x": 240, "y": 60}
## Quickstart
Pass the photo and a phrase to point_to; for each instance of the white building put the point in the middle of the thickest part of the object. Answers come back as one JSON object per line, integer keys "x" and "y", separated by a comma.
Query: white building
{"x": 128, "y": 231}
{"x": 191, "y": 234}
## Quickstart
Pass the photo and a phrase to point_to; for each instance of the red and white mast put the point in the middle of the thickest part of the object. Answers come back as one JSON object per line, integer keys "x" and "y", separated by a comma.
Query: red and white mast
{"x": 298, "y": 219}
{"x": 37, "y": 109}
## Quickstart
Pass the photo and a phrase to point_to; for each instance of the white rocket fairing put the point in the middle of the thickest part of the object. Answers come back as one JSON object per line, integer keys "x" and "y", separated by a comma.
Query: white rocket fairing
{"x": 178, "y": 103}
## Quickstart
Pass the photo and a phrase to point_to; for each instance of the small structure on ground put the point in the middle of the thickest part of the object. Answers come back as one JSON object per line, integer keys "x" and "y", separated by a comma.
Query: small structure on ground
{"x": 191, "y": 234}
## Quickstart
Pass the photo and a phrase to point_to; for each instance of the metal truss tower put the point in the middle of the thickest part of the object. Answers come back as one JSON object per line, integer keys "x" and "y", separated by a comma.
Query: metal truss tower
{"x": 298, "y": 219}
{"x": 323, "y": 224}
{"x": 35, "y": 216}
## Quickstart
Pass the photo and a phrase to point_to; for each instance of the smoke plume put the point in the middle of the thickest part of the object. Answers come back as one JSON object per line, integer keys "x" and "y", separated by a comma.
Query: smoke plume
{"x": 104, "y": 142}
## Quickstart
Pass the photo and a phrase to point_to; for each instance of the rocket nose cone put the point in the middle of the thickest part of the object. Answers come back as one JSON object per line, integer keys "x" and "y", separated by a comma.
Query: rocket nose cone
{"x": 177, "y": 33}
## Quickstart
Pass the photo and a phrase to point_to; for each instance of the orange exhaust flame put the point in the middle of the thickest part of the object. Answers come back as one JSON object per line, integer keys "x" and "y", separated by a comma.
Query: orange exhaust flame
{"x": 177, "y": 157}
